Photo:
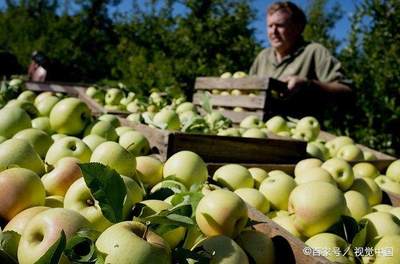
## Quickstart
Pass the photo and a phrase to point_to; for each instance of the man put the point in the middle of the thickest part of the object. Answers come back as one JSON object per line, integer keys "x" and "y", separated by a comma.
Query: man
{"x": 313, "y": 76}
{"x": 36, "y": 70}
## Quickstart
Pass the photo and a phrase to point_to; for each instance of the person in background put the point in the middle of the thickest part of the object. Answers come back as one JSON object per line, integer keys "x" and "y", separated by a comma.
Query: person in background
{"x": 313, "y": 76}
{"x": 36, "y": 70}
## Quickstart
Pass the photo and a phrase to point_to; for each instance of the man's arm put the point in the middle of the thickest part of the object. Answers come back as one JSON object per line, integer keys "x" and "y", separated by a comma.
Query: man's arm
{"x": 295, "y": 83}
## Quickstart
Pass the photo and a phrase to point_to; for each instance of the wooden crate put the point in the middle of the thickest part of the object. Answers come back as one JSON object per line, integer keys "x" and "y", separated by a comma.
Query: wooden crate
{"x": 254, "y": 105}
{"x": 288, "y": 249}
{"x": 214, "y": 148}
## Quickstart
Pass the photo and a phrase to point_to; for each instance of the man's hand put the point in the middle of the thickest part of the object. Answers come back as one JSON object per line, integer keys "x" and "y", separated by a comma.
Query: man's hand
{"x": 294, "y": 82}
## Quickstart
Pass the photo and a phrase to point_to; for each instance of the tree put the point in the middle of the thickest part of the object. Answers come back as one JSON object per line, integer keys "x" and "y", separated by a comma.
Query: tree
{"x": 320, "y": 23}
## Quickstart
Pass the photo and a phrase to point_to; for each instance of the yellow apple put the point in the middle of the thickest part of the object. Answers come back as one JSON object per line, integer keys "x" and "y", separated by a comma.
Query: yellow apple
{"x": 357, "y": 204}
{"x": 368, "y": 188}
{"x": 314, "y": 174}
{"x": 258, "y": 175}
{"x": 306, "y": 164}
{"x": 277, "y": 188}
{"x": 254, "y": 198}
{"x": 335, "y": 247}
{"x": 19, "y": 221}
{"x": 257, "y": 245}
{"x": 233, "y": 177}
{"x": 149, "y": 169}
{"x": 381, "y": 224}
{"x": 341, "y": 171}
{"x": 393, "y": 171}
{"x": 365, "y": 169}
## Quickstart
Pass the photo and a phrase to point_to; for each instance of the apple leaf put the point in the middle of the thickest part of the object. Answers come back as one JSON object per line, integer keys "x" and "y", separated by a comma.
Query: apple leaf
{"x": 160, "y": 194}
{"x": 8, "y": 246}
{"x": 346, "y": 227}
{"x": 107, "y": 187}
{"x": 206, "y": 102}
{"x": 361, "y": 236}
{"x": 81, "y": 247}
{"x": 53, "y": 254}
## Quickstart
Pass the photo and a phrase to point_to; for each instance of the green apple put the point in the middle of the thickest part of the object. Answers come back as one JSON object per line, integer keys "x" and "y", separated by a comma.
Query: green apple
{"x": 79, "y": 198}
{"x": 306, "y": 164}
{"x": 39, "y": 139}
{"x": 254, "y": 198}
{"x": 42, "y": 123}
{"x": 254, "y": 133}
{"x": 27, "y": 95}
{"x": 19, "y": 189}
{"x": 54, "y": 201}
{"x": 19, "y": 153}
{"x": 44, "y": 230}
{"x": 272, "y": 214}
{"x": 357, "y": 204}
{"x": 350, "y": 152}
{"x": 113, "y": 119}
{"x": 93, "y": 140}
{"x": 122, "y": 129}
{"x": 118, "y": 107}
{"x": 135, "y": 244}
{"x": 167, "y": 119}
{"x": 210, "y": 219}
{"x": 66, "y": 171}
{"x": 57, "y": 136}
{"x": 135, "y": 118}
{"x": 317, "y": 150}
{"x": 239, "y": 74}
{"x": 251, "y": 121}
{"x": 186, "y": 167}
{"x": 277, "y": 124}
{"x": 232, "y": 132}
{"x": 226, "y": 75}
{"x": 331, "y": 246}
{"x": 393, "y": 171}
{"x": 257, "y": 245}
{"x": 69, "y": 116}
{"x": 222, "y": 250}
{"x": 41, "y": 96}
{"x": 314, "y": 174}
{"x": 233, "y": 177}
{"x": 113, "y": 96}
{"x": 128, "y": 99}
{"x": 27, "y": 106}
{"x": 305, "y": 135}
{"x": 389, "y": 244}
{"x": 207, "y": 187}
{"x": 381, "y": 224}
{"x": 395, "y": 211}
{"x": 135, "y": 142}
{"x": 149, "y": 170}
{"x": 308, "y": 124}
{"x": 46, "y": 104}
{"x": 103, "y": 129}
{"x": 238, "y": 109}
{"x": 258, "y": 175}
{"x": 12, "y": 120}
{"x": 186, "y": 106}
{"x": 68, "y": 147}
{"x": 387, "y": 184}
{"x": 382, "y": 208}
{"x": 369, "y": 189}
{"x": 236, "y": 92}
{"x": 277, "y": 188}
{"x": 335, "y": 144}
{"x": 19, "y": 221}
{"x": 365, "y": 170}
{"x": 174, "y": 186}
{"x": 286, "y": 221}
{"x": 341, "y": 171}
{"x": 316, "y": 206}
{"x": 117, "y": 157}
{"x": 96, "y": 94}
{"x": 368, "y": 155}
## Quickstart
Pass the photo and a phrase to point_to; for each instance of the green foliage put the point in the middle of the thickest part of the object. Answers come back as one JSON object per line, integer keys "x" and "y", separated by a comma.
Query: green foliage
{"x": 372, "y": 59}
{"x": 321, "y": 22}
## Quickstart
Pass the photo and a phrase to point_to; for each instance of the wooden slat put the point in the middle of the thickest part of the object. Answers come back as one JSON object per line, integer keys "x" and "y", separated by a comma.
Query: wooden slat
{"x": 246, "y": 83}
{"x": 255, "y": 102}
{"x": 238, "y": 149}
{"x": 237, "y": 117}
{"x": 288, "y": 249}
{"x": 50, "y": 87}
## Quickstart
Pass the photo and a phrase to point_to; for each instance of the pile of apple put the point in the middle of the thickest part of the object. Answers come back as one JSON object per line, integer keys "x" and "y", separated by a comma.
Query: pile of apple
{"x": 69, "y": 183}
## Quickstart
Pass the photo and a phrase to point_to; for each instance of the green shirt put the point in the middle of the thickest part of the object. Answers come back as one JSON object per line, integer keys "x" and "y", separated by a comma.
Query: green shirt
{"x": 311, "y": 60}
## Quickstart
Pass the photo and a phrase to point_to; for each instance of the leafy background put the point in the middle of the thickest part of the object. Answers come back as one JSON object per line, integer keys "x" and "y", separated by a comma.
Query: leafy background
{"x": 154, "y": 47}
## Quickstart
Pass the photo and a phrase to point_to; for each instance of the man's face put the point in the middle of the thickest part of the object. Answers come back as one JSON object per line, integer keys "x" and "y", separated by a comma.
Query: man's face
{"x": 282, "y": 32}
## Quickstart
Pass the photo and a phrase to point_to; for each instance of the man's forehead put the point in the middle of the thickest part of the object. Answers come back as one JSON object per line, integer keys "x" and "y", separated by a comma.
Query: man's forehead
{"x": 279, "y": 16}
